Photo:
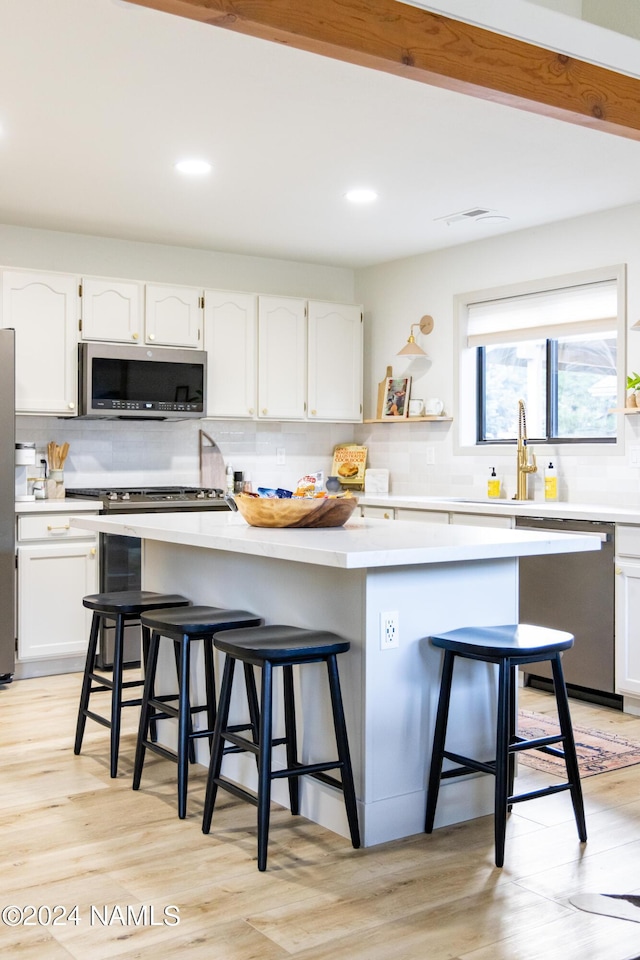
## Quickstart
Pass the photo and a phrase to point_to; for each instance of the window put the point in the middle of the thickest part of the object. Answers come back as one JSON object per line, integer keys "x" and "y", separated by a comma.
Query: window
{"x": 555, "y": 349}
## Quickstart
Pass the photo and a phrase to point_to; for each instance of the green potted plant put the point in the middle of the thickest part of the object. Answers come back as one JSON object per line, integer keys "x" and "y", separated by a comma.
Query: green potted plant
{"x": 633, "y": 388}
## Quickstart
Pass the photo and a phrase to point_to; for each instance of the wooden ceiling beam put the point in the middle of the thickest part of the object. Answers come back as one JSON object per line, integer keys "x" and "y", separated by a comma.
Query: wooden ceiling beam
{"x": 415, "y": 43}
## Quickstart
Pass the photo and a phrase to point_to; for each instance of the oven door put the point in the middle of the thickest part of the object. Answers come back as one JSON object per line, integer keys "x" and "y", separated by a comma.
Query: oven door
{"x": 120, "y": 569}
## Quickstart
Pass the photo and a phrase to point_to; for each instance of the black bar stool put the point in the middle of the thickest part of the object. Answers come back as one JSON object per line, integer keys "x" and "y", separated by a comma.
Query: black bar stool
{"x": 184, "y": 627}
{"x": 508, "y": 646}
{"x": 268, "y": 647}
{"x": 124, "y": 607}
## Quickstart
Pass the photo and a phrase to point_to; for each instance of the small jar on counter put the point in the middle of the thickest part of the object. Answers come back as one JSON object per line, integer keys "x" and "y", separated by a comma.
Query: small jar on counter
{"x": 238, "y": 481}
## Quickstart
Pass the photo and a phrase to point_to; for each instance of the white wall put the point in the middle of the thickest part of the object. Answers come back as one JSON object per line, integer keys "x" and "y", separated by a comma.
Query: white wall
{"x": 399, "y": 293}
{"x": 167, "y": 453}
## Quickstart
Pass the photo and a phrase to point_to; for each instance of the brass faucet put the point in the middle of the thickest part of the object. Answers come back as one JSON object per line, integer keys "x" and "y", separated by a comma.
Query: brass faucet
{"x": 524, "y": 465}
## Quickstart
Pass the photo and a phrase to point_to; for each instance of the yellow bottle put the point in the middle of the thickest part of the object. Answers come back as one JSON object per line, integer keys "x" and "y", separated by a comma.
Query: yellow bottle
{"x": 551, "y": 483}
{"x": 493, "y": 484}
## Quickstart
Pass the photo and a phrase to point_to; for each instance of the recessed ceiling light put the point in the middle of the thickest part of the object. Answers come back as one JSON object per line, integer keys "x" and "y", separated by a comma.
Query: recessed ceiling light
{"x": 194, "y": 168}
{"x": 361, "y": 195}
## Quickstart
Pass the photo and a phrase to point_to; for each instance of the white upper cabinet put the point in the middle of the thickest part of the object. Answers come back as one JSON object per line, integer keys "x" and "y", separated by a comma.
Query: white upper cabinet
{"x": 282, "y": 358}
{"x": 173, "y": 316}
{"x": 335, "y": 361}
{"x": 43, "y": 310}
{"x": 231, "y": 342}
{"x": 112, "y": 310}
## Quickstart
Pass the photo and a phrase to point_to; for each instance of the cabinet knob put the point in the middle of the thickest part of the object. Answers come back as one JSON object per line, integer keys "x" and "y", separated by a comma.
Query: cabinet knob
{"x": 387, "y": 516}
{"x": 134, "y": 336}
{"x": 92, "y": 552}
{"x": 71, "y": 405}
{"x": 313, "y": 413}
{"x": 152, "y": 336}
{"x": 251, "y": 410}
{"x": 264, "y": 410}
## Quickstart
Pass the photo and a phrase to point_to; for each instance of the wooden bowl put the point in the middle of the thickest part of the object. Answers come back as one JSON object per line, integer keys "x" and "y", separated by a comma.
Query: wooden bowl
{"x": 296, "y": 512}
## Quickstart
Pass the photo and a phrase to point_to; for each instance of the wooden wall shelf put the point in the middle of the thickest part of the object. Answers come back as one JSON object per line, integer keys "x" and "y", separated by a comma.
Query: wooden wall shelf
{"x": 414, "y": 419}
{"x": 626, "y": 410}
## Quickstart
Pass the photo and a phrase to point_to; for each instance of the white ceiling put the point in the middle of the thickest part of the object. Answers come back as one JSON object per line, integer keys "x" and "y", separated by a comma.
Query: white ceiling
{"x": 98, "y": 100}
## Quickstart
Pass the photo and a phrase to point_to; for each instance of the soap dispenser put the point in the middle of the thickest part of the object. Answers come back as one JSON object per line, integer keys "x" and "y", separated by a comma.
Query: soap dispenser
{"x": 551, "y": 482}
{"x": 493, "y": 484}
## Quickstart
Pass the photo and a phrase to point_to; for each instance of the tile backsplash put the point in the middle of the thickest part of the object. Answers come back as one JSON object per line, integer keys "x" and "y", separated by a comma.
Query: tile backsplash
{"x": 418, "y": 456}
{"x": 147, "y": 453}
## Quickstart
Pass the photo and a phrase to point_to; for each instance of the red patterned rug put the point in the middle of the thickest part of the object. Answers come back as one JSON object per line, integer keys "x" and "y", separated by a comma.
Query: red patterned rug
{"x": 598, "y": 751}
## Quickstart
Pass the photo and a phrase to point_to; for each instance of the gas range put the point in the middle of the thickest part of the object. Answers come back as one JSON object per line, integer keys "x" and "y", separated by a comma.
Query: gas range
{"x": 153, "y": 499}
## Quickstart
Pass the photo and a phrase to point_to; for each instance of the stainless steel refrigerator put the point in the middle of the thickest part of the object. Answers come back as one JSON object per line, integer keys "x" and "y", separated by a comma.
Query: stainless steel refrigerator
{"x": 7, "y": 506}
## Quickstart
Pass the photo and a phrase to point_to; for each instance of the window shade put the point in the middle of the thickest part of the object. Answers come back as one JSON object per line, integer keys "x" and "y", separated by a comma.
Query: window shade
{"x": 590, "y": 307}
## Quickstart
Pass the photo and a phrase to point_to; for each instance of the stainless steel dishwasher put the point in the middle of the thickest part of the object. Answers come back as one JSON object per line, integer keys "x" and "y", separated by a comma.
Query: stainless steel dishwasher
{"x": 574, "y": 592}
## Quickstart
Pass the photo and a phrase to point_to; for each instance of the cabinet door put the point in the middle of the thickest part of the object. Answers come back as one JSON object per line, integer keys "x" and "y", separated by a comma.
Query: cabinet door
{"x": 231, "y": 342}
{"x": 52, "y": 580}
{"x": 422, "y": 516}
{"x": 282, "y": 358}
{"x": 482, "y": 520}
{"x": 173, "y": 316}
{"x": 377, "y": 513}
{"x": 627, "y": 668}
{"x": 335, "y": 361}
{"x": 43, "y": 310}
{"x": 111, "y": 310}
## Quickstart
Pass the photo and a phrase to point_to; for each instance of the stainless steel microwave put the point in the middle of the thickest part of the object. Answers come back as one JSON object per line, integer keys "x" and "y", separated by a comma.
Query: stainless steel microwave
{"x": 141, "y": 382}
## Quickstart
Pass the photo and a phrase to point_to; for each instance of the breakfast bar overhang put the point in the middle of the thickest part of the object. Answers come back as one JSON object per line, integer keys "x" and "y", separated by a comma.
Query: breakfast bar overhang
{"x": 432, "y": 577}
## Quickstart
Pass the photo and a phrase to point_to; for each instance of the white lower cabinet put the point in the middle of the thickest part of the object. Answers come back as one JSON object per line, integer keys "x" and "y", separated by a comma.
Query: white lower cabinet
{"x": 482, "y": 520}
{"x": 52, "y": 578}
{"x": 422, "y": 516}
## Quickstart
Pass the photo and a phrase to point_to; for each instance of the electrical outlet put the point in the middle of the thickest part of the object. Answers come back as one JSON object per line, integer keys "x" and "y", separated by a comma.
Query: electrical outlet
{"x": 281, "y": 456}
{"x": 389, "y": 630}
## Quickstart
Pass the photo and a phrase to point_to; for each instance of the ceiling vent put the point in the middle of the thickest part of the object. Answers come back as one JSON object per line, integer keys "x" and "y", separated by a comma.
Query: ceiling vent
{"x": 474, "y": 213}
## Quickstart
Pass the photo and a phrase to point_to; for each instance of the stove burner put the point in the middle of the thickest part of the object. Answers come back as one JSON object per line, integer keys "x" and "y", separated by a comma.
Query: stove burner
{"x": 150, "y": 498}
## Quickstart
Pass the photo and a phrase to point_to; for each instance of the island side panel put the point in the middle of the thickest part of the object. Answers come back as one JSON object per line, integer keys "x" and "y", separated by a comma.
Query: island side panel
{"x": 390, "y": 696}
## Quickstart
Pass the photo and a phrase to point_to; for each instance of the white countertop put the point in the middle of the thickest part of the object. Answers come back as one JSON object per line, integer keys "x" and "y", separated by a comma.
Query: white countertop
{"x": 360, "y": 543}
{"x": 511, "y": 508}
{"x": 68, "y": 505}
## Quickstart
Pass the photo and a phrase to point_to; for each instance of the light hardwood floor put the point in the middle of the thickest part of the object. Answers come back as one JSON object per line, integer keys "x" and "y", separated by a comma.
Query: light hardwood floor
{"x": 72, "y": 836}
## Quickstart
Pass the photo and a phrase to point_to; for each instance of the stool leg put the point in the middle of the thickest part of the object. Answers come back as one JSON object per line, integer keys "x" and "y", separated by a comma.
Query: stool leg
{"x": 291, "y": 737}
{"x": 177, "y": 648}
{"x": 185, "y": 727}
{"x": 86, "y": 682}
{"x": 116, "y": 694}
{"x": 502, "y": 758}
{"x": 439, "y": 737}
{"x": 343, "y": 750}
{"x": 146, "y": 638}
{"x": 217, "y": 750}
{"x": 264, "y": 764}
{"x": 513, "y": 726}
{"x": 148, "y": 692}
{"x": 570, "y": 756}
{"x": 252, "y": 699}
{"x": 210, "y": 686}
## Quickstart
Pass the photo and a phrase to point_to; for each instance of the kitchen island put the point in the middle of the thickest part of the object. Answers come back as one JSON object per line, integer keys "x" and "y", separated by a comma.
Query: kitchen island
{"x": 431, "y": 577}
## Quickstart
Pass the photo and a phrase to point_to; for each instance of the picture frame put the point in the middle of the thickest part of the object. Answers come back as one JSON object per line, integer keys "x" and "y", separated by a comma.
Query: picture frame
{"x": 396, "y": 398}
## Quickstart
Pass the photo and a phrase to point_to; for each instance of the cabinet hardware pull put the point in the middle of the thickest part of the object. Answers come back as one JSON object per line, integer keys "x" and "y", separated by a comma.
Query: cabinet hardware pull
{"x": 92, "y": 552}
{"x": 72, "y": 405}
{"x": 134, "y": 336}
{"x": 152, "y": 336}
{"x": 62, "y": 527}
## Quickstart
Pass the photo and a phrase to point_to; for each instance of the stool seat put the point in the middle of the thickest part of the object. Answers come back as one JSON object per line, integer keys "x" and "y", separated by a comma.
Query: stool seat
{"x": 196, "y": 621}
{"x": 284, "y": 646}
{"x": 509, "y": 646}
{"x": 182, "y": 627}
{"x": 131, "y": 603}
{"x": 509, "y": 640}
{"x": 122, "y": 607}
{"x": 280, "y": 643}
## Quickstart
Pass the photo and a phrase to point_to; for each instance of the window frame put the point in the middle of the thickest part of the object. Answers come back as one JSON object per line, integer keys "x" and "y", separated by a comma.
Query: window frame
{"x": 467, "y": 374}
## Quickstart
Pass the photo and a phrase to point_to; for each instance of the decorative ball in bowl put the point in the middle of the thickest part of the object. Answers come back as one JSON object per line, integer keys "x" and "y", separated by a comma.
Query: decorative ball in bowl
{"x": 295, "y": 511}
